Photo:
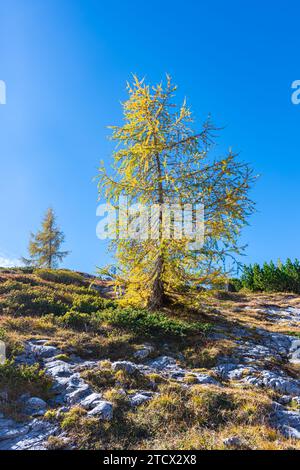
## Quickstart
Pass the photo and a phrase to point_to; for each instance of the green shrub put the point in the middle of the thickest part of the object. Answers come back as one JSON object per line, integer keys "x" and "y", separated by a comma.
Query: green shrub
{"x": 235, "y": 285}
{"x": 90, "y": 303}
{"x": 71, "y": 419}
{"x": 81, "y": 314}
{"x": 19, "y": 379}
{"x": 283, "y": 277}
{"x": 75, "y": 320}
{"x": 61, "y": 276}
{"x": 62, "y": 357}
{"x": 25, "y": 270}
{"x": 22, "y": 270}
{"x": 293, "y": 333}
{"x": 70, "y": 290}
{"x": 152, "y": 324}
{"x": 35, "y": 301}
{"x": 16, "y": 283}
{"x": 10, "y": 285}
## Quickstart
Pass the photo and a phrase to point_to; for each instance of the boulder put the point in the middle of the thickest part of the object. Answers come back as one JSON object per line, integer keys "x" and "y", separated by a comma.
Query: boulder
{"x": 126, "y": 366}
{"x": 287, "y": 421}
{"x": 294, "y": 357}
{"x": 43, "y": 352}
{"x": 91, "y": 401}
{"x": 35, "y": 438}
{"x": 275, "y": 380}
{"x": 12, "y": 432}
{"x": 35, "y": 406}
{"x": 139, "y": 398}
{"x": 144, "y": 352}
{"x": 104, "y": 410}
{"x": 59, "y": 369}
{"x": 78, "y": 394}
{"x": 233, "y": 441}
{"x": 285, "y": 399}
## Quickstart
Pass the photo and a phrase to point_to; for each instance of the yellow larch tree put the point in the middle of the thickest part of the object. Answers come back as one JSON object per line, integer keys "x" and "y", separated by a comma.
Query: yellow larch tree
{"x": 160, "y": 160}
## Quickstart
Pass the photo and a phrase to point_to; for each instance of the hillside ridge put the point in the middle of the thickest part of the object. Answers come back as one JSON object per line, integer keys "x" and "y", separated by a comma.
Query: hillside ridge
{"x": 84, "y": 372}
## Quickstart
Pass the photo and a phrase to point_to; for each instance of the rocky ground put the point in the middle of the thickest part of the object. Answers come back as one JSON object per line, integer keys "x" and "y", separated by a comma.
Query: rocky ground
{"x": 256, "y": 347}
{"x": 256, "y": 360}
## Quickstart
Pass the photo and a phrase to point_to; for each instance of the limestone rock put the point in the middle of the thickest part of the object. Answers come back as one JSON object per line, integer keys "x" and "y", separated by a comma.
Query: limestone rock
{"x": 42, "y": 352}
{"x": 104, "y": 410}
{"x": 162, "y": 362}
{"x": 91, "y": 401}
{"x": 233, "y": 441}
{"x": 206, "y": 379}
{"x": 35, "y": 406}
{"x": 126, "y": 366}
{"x": 139, "y": 398}
{"x": 287, "y": 421}
{"x": 78, "y": 394}
{"x": 144, "y": 352}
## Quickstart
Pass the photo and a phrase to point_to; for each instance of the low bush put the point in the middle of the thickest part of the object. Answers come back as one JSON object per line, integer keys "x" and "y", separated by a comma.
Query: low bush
{"x": 76, "y": 320}
{"x": 235, "y": 285}
{"x": 10, "y": 285}
{"x": 152, "y": 324}
{"x": 62, "y": 276}
{"x": 72, "y": 419}
{"x": 81, "y": 314}
{"x": 91, "y": 303}
{"x": 35, "y": 301}
{"x": 16, "y": 380}
{"x": 19, "y": 270}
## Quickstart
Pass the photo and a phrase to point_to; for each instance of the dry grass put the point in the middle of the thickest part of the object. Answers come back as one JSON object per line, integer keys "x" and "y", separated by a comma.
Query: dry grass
{"x": 200, "y": 417}
{"x": 247, "y": 310}
{"x": 206, "y": 354}
{"x": 104, "y": 378}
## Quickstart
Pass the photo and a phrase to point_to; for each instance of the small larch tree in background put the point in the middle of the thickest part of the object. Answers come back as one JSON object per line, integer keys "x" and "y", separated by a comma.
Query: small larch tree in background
{"x": 160, "y": 160}
{"x": 44, "y": 246}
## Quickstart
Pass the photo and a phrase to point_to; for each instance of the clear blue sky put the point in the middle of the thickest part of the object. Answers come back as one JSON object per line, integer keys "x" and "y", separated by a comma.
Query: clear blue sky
{"x": 66, "y": 63}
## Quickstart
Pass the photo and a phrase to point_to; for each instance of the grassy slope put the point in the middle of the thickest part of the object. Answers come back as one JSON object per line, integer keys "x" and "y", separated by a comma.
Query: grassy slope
{"x": 62, "y": 307}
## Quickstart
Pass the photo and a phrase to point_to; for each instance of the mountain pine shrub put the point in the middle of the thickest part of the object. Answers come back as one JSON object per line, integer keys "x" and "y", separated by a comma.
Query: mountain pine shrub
{"x": 271, "y": 277}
